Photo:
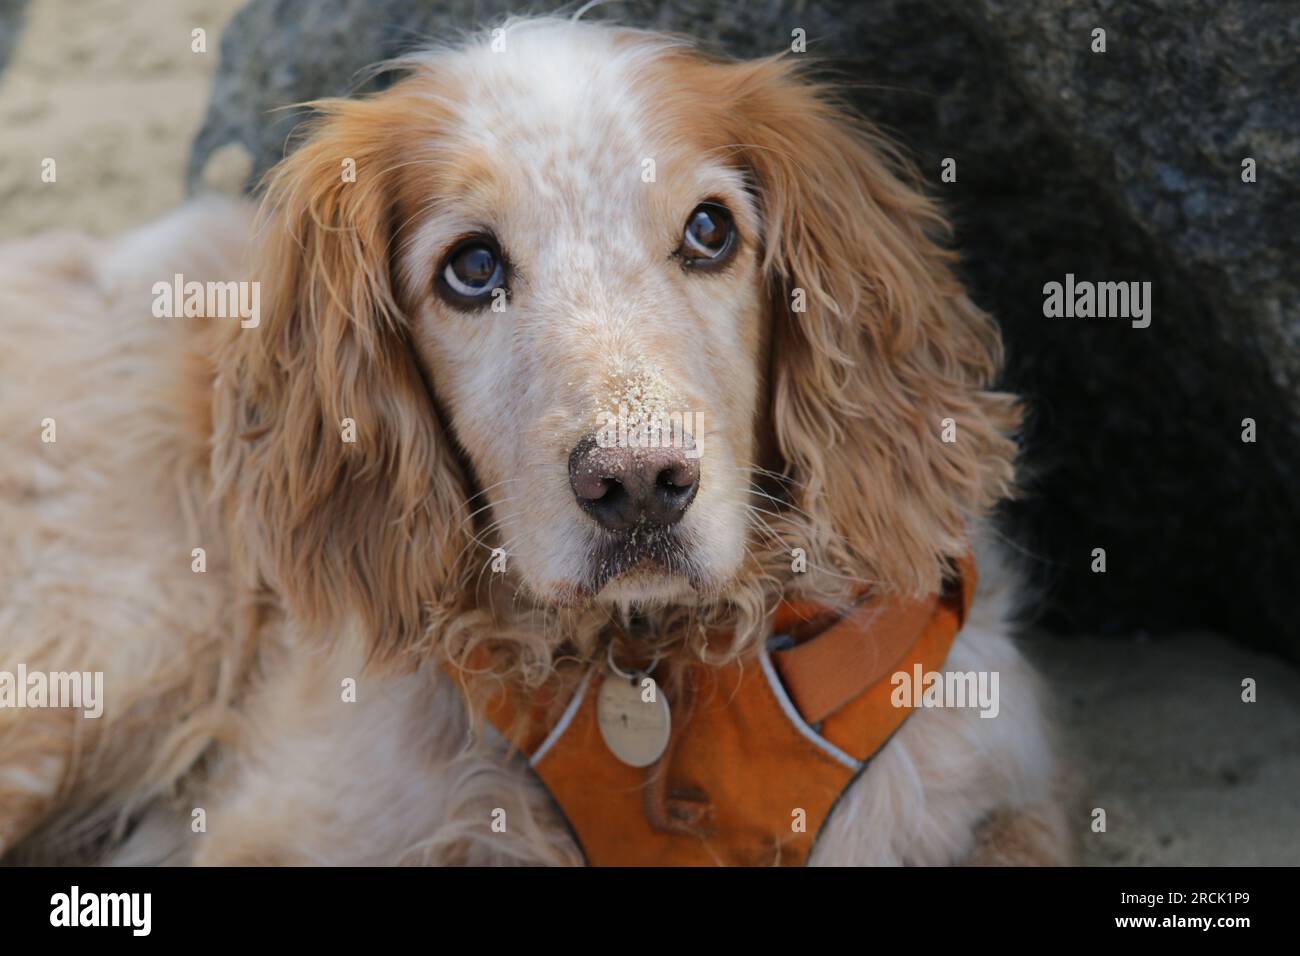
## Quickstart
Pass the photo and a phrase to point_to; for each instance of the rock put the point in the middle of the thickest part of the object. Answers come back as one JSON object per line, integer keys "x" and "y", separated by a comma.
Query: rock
{"x": 1162, "y": 122}
{"x": 11, "y": 21}
{"x": 1115, "y": 166}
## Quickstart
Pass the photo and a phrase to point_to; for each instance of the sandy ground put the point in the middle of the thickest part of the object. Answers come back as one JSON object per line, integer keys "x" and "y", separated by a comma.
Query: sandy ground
{"x": 111, "y": 90}
{"x": 1160, "y": 738}
{"x": 1187, "y": 773}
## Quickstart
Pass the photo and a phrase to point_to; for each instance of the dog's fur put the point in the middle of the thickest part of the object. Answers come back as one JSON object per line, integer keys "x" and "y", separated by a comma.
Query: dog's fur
{"x": 328, "y": 560}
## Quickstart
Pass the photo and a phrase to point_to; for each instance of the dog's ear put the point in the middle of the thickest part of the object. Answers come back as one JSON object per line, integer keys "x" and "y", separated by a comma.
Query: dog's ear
{"x": 881, "y": 363}
{"x": 343, "y": 492}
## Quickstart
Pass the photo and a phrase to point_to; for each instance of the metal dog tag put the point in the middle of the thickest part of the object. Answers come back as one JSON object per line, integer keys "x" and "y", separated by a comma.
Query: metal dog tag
{"x": 635, "y": 730}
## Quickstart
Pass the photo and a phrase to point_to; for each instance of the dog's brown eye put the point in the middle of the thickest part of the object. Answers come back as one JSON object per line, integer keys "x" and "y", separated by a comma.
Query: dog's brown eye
{"x": 471, "y": 273}
{"x": 709, "y": 238}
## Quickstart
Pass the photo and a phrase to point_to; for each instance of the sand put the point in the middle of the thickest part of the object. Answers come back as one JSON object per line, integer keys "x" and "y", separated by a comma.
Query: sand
{"x": 112, "y": 91}
{"x": 1187, "y": 772}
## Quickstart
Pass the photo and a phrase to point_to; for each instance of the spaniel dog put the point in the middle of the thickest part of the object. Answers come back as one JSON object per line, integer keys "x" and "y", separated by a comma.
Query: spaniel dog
{"x": 307, "y": 546}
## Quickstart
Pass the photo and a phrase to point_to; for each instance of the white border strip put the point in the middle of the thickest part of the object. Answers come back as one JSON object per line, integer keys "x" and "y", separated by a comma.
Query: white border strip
{"x": 565, "y": 719}
{"x": 790, "y": 712}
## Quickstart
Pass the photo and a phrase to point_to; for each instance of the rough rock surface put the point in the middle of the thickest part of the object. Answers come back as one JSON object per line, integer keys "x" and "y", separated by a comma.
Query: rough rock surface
{"x": 11, "y": 19}
{"x": 1115, "y": 166}
{"x": 1163, "y": 121}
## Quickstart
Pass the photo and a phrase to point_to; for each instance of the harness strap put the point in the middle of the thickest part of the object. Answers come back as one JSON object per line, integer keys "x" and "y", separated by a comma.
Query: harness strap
{"x": 837, "y": 663}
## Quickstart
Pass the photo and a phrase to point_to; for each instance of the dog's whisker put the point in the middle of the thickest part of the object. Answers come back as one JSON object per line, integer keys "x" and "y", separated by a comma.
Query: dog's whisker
{"x": 498, "y": 484}
{"x": 485, "y": 533}
{"x": 473, "y": 514}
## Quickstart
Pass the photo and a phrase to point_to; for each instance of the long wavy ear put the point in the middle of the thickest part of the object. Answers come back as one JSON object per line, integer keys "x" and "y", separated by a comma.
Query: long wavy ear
{"x": 343, "y": 493}
{"x": 887, "y": 345}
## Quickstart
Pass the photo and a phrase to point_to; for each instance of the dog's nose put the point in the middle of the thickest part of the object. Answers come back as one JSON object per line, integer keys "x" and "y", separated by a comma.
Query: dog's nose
{"x": 625, "y": 487}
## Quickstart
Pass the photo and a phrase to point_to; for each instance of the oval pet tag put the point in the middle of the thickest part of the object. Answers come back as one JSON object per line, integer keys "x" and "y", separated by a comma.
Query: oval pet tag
{"x": 635, "y": 730}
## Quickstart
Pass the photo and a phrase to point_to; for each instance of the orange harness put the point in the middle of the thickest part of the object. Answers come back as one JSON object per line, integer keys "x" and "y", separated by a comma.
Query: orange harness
{"x": 770, "y": 743}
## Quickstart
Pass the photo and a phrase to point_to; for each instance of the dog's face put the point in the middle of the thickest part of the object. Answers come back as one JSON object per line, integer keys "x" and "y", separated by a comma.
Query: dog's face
{"x": 574, "y": 293}
{"x": 585, "y": 294}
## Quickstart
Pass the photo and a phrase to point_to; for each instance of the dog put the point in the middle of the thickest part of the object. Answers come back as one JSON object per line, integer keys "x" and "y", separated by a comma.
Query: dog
{"x": 307, "y": 549}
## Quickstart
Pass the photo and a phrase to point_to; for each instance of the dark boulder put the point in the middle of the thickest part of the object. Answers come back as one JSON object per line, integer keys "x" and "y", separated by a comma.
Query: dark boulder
{"x": 11, "y": 21}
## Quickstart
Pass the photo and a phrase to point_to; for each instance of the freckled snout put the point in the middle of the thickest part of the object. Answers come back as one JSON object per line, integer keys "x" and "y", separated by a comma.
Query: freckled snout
{"x": 623, "y": 488}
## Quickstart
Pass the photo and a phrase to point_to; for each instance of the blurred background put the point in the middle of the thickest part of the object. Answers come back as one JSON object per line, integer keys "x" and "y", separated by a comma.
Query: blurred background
{"x": 1117, "y": 166}
{"x": 112, "y": 91}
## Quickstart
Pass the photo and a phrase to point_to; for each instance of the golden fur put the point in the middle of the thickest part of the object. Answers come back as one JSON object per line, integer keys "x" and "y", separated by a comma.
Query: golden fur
{"x": 330, "y": 559}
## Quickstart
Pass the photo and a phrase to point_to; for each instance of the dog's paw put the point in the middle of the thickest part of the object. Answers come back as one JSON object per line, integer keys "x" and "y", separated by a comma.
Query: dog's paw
{"x": 1038, "y": 835}
{"x": 29, "y": 785}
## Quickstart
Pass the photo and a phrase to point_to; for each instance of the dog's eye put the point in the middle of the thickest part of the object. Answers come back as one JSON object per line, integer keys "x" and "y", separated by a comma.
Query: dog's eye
{"x": 709, "y": 238}
{"x": 471, "y": 273}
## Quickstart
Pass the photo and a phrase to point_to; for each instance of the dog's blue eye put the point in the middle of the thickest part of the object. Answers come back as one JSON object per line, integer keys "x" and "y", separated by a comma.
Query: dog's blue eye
{"x": 709, "y": 238}
{"x": 471, "y": 273}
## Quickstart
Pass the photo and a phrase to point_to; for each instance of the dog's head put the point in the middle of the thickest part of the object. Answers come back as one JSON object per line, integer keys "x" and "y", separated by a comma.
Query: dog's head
{"x": 583, "y": 310}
